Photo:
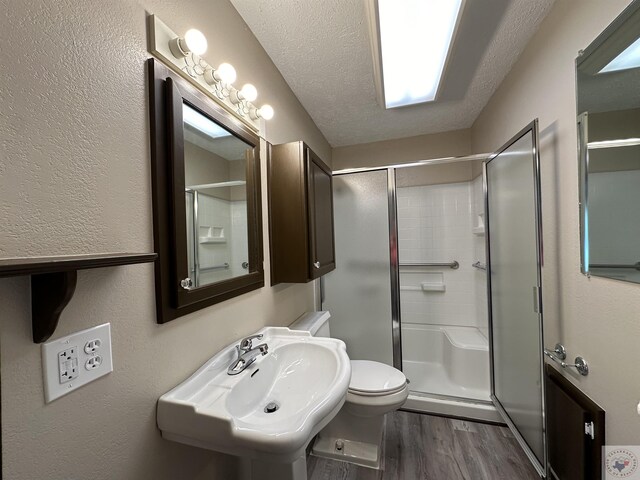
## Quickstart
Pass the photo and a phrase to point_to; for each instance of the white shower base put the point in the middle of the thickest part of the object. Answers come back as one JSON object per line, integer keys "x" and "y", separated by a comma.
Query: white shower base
{"x": 446, "y": 360}
{"x": 431, "y": 377}
{"x": 448, "y": 370}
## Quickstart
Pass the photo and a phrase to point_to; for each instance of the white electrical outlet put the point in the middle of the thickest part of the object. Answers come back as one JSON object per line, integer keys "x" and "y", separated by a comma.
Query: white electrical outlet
{"x": 63, "y": 359}
{"x": 93, "y": 362}
{"x": 92, "y": 346}
{"x": 68, "y": 364}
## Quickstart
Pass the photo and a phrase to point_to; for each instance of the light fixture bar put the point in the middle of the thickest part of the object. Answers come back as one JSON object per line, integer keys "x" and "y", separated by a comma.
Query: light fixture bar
{"x": 629, "y": 58}
{"x": 183, "y": 54}
{"x": 415, "y": 41}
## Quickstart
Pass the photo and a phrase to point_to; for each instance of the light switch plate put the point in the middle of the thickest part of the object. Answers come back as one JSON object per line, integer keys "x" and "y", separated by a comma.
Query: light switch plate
{"x": 75, "y": 360}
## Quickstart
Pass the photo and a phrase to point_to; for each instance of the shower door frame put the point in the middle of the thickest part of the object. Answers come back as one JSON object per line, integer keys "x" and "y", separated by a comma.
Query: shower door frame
{"x": 396, "y": 316}
{"x": 542, "y": 470}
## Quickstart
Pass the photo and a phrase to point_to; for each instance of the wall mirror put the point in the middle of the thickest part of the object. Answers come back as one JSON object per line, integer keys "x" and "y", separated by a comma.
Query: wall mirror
{"x": 206, "y": 194}
{"x": 608, "y": 107}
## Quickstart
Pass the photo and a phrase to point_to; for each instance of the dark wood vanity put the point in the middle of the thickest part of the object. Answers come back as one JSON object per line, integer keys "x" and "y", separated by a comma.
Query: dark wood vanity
{"x": 300, "y": 214}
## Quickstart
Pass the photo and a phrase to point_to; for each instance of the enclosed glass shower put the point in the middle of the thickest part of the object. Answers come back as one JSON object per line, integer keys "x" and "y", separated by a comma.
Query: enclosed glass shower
{"x": 439, "y": 273}
{"x": 417, "y": 232}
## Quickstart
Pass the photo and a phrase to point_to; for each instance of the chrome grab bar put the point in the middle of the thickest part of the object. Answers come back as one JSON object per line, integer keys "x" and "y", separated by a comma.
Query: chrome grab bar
{"x": 559, "y": 354}
{"x": 215, "y": 267}
{"x": 452, "y": 265}
{"x": 479, "y": 265}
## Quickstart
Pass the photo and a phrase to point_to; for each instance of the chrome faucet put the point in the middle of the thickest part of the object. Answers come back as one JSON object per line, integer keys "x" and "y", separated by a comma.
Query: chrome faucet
{"x": 247, "y": 354}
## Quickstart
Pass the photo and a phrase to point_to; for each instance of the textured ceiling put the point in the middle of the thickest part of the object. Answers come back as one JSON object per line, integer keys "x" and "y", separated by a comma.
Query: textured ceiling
{"x": 322, "y": 50}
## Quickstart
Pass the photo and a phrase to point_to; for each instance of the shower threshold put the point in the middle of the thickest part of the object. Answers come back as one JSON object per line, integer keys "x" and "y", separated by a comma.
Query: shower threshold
{"x": 483, "y": 411}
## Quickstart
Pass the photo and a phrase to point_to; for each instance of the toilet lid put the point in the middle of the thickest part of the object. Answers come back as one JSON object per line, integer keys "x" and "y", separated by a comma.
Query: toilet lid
{"x": 375, "y": 377}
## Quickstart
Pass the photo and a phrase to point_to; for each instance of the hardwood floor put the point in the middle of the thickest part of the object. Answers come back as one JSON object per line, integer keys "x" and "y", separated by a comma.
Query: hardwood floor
{"x": 425, "y": 447}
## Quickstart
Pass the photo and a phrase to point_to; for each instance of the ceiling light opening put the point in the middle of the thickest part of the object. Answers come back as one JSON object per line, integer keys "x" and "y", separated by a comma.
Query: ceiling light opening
{"x": 629, "y": 58}
{"x": 412, "y": 39}
{"x": 201, "y": 123}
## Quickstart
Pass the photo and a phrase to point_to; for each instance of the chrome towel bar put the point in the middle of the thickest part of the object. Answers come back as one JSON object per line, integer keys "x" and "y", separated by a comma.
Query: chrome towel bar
{"x": 559, "y": 354}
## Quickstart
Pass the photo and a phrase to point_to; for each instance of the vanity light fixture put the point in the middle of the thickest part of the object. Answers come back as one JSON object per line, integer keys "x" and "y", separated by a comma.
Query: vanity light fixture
{"x": 193, "y": 41}
{"x": 248, "y": 93}
{"x": 265, "y": 111}
{"x": 225, "y": 74}
{"x": 220, "y": 79}
{"x": 183, "y": 54}
{"x": 411, "y": 42}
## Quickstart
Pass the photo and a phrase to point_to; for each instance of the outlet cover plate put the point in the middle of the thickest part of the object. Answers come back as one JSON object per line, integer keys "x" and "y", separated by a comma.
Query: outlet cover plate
{"x": 51, "y": 364}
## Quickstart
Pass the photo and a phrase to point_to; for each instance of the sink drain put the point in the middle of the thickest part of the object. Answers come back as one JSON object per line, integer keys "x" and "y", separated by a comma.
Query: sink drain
{"x": 271, "y": 407}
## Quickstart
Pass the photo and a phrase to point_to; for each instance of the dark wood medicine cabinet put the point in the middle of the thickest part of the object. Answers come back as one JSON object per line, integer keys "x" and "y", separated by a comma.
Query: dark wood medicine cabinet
{"x": 300, "y": 214}
{"x": 177, "y": 292}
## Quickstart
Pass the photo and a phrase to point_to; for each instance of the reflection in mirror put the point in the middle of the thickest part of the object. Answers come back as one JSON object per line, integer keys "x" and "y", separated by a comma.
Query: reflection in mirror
{"x": 608, "y": 84}
{"x": 215, "y": 164}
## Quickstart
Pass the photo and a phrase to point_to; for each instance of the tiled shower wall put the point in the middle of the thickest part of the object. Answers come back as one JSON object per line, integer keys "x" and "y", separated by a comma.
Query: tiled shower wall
{"x": 232, "y": 217}
{"x": 240, "y": 247}
{"x": 435, "y": 224}
{"x": 214, "y": 212}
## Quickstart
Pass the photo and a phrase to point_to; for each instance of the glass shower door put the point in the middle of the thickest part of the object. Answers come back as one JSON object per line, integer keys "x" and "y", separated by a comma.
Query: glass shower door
{"x": 358, "y": 291}
{"x": 514, "y": 262}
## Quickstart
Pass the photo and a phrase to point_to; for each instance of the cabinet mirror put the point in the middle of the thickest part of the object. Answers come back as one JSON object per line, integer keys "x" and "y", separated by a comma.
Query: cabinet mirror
{"x": 608, "y": 100}
{"x": 207, "y": 214}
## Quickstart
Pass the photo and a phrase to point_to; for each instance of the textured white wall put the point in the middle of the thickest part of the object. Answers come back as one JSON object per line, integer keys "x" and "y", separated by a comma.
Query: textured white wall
{"x": 596, "y": 318}
{"x": 403, "y": 150}
{"x": 75, "y": 178}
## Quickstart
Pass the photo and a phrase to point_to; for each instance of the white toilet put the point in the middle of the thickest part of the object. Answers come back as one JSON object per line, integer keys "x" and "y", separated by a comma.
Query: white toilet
{"x": 355, "y": 434}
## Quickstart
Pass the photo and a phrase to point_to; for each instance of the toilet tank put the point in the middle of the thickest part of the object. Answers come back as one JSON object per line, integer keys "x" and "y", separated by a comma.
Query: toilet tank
{"x": 317, "y": 323}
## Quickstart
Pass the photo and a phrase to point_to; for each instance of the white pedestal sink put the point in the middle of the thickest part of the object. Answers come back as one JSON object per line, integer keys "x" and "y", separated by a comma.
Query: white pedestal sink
{"x": 306, "y": 377}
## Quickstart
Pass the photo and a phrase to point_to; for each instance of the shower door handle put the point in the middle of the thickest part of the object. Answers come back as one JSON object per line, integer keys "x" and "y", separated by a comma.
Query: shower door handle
{"x": 536, "y": 300}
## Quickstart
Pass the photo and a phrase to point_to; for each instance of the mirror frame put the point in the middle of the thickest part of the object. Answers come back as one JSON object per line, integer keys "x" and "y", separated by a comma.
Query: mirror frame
{"x": 582, "y": 123}
{"x": 167, "y": 92}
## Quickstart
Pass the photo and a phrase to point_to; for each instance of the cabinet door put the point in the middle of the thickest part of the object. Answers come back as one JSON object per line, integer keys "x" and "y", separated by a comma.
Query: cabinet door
{"x": 575, "y": 451}
{"x": 320, "y": 205}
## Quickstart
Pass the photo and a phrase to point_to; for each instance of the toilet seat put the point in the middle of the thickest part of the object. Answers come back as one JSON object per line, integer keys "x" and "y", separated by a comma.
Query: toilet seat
{"x": 375, "y": 379}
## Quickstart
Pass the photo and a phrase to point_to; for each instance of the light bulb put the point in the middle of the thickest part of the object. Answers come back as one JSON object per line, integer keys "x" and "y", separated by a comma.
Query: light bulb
{"x": 195, "y": 41}
{"x": 249, "y": 92}
{"x": 225, "y": 73}
{"x": 266, "y": 112}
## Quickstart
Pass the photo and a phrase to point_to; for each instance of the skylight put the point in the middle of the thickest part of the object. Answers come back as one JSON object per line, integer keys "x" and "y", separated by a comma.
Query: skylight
{"x": 629, "y": 58}
{"x": 415, "y": 37}
{"x": 202, "y": 123}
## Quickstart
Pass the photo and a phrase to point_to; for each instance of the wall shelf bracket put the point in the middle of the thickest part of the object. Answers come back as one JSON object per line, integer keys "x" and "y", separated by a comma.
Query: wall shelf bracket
{"x": 50, "y": 294}
{"x": 54, "y": 279}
